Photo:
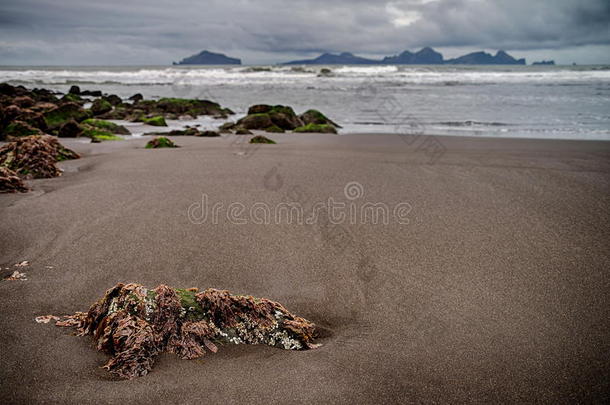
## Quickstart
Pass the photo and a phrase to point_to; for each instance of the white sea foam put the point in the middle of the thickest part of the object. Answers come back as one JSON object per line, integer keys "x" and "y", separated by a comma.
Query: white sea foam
{"x": 284, "y": 74}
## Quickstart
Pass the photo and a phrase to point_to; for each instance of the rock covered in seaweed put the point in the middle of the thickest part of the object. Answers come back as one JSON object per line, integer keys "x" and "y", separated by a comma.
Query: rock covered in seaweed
{"x": 281, "y": 118}
{"x": 261, "y": 139}
{"x": 35, "y": 156}
{"x": 107, "y": 126}
{"x": 58, "y": 116}
{"x": 134, "y": 324}
{"x": 317, "y": 118}
{"x": 160, "y": 142}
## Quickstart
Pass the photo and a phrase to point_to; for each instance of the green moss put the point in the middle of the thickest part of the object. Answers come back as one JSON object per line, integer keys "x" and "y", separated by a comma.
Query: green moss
{"x": 317, "y": 116}
{"x": 262, "y": 139}
{"x": 20, "y": 128}
{"x": 100, "y": 106}
{"x": 157, "y": 121}
{"x": 64, "y": 113}
{"x": 110, "y": 137}
{"x": 282, "y": 109}
{"x": 317, "y": 128}
{"x": 194, "y": 311}
{"x": 75, "y": 98}
{"x": 99, "y": 134}
{"x": 107, "y": 126}
{"x": 275, "y": 129}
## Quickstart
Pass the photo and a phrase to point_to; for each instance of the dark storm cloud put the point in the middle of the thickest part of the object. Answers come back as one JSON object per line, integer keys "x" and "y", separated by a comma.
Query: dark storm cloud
{"x": 155, "y": 31}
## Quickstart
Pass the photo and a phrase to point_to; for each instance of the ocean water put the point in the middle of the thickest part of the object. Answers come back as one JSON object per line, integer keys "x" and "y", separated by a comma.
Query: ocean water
{"x": 555, "y": 102}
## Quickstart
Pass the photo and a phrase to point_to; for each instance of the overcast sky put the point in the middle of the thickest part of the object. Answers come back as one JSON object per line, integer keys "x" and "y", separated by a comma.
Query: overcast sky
{"x": 87, "y": 32}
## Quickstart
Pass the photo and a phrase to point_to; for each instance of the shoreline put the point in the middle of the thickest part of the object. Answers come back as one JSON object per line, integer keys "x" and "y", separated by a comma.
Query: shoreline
{"x": 494, "y": 291}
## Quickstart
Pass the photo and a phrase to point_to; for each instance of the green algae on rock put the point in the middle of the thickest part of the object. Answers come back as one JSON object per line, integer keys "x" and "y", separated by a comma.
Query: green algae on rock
{"x": 316, "y": 128}
{"x": 69, "y": 111}
{"x": 279, "y": 118}
{"x": 134, "y": 324}
{"x": 274, "y": 129}
{"x": 20, "y": 128}
{"x": 316, "y": 117}
{"x": 107, "y": 126}
{"x": 100, "y": 106}
{"x": 157, "y": 121}
{"x": 160, "y": 142}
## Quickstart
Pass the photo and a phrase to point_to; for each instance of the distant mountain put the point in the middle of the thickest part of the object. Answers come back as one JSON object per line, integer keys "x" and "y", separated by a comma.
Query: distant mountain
{"x": 209, "y": 58}
{"x": 425, "y": 56}
{"x": 544, "y": 62}
{"x": 344, "y": 58}
{"x": 484, "y": 58}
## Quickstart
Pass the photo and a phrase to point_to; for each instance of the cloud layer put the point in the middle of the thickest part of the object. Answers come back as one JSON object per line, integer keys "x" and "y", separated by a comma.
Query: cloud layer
{"x": 158, "y": 31}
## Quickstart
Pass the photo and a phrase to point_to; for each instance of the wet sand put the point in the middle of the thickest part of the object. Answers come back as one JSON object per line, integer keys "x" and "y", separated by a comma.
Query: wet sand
{"x": 495, "y": 291}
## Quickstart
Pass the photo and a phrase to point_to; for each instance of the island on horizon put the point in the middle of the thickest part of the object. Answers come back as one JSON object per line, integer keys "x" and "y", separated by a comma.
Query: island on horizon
{"x": 209, "y": 58}
{"x": 425, "y": 56}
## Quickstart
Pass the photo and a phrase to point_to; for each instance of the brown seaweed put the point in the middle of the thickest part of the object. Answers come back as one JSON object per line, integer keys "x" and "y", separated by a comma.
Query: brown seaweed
{"x": 134, "y": 324}
{"x": 35, "y": 156}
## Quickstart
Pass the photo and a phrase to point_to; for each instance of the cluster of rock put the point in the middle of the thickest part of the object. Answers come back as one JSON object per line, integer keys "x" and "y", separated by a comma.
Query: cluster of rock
{"x": 279, "y": 119}
{"x": 187, "y": 131}
{"x": 26, "y": 112}
{"x": 134, "y": 325}
{"x": 31, "y": 157}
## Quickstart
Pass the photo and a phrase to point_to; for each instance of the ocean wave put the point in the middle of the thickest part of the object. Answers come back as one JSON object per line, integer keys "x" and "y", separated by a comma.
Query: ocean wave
{"x": 299, "y": 76}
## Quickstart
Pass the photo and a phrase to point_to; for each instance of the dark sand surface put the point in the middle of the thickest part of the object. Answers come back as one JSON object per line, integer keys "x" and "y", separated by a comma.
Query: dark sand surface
{"x": 496, "y": 291}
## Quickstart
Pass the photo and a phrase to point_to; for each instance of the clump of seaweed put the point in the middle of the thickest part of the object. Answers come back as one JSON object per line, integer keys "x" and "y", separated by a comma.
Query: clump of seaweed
{"x": 35, "y": 156}
{"x": 10, "y": 182}
{"x": 134, "y": 324}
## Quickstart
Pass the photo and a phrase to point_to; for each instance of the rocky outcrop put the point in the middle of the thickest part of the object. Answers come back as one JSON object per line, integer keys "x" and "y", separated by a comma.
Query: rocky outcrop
{"x": 271, "y": 118}
{"x": 58, "y": 116}
{"x": 279, "y": 118}
{"x": 43, "y": 112}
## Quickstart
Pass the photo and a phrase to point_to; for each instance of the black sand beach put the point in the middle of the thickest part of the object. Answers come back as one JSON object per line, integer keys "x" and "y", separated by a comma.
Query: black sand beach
{"x": 495, "y": 291}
